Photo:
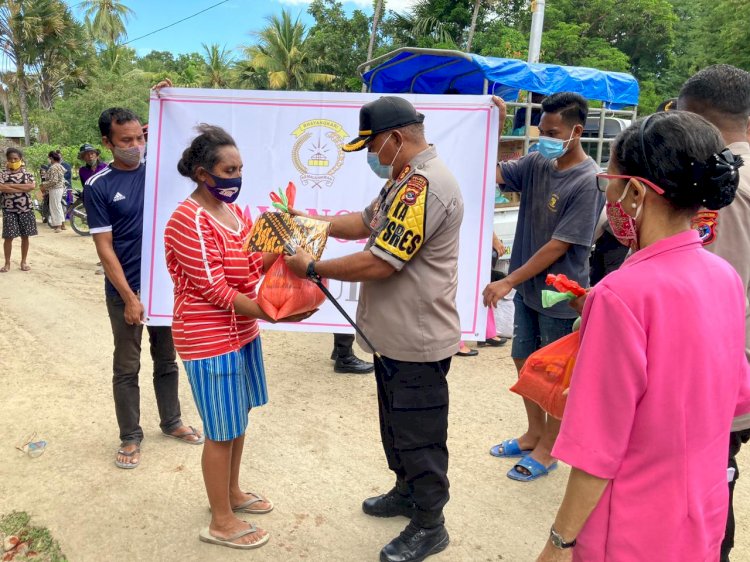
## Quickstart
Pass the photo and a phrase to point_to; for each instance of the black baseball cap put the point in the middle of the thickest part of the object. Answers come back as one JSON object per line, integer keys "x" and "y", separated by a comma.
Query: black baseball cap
{"x": 383, "y": 114}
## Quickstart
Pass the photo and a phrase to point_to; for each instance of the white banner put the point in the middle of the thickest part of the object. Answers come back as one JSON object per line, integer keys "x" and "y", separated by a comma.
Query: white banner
{"x": 296, "y": 136}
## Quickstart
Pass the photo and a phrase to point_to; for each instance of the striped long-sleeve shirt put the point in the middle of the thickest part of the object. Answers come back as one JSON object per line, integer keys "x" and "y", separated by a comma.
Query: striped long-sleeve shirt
{"x": 209, "y": 268}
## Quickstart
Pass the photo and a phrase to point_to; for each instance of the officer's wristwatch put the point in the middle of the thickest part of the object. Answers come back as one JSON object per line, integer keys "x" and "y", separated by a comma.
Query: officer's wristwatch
{"x": 311, "y": 273}
{"x": 558, "y": 542}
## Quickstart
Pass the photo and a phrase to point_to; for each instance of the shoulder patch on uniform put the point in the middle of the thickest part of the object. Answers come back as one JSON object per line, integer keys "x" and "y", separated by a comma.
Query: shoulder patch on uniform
{"x": 706, "y": 223}
{"x": 404, "y": 231}
{"x": 403, "y": 173}
{"x": 413, "y": 188}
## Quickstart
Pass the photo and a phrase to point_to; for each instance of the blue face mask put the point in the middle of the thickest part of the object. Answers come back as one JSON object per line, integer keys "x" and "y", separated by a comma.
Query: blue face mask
{"x": 381, "y": 170}
{"x": 225, "y": 189}
{"x": 553, "y": 148}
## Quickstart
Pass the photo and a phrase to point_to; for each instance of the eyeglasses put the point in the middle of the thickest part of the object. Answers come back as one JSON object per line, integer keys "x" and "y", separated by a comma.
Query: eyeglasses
{"x": 602, "y": 182}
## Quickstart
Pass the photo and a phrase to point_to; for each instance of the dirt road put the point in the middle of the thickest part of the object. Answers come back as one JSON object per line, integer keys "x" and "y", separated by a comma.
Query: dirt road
{"x": 313, "y": 450}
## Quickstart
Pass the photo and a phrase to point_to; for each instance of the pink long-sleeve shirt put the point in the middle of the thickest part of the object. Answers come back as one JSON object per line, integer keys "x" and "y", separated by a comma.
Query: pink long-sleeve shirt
{"x": 660, "y": 374}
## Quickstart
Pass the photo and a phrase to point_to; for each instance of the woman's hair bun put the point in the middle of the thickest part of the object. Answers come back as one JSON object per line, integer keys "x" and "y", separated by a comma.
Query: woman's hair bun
{"x": 718, "y": 179}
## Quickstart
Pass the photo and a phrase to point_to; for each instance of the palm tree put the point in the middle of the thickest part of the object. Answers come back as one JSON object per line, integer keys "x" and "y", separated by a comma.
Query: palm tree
{"x": 281, "y": 54}
{"x": 373, "y": 35}
{"x": 26, "y": 28}
{"x": 473, "y": 27}
{"x": 107, "y": 19}
{"x": 218, "y": 66}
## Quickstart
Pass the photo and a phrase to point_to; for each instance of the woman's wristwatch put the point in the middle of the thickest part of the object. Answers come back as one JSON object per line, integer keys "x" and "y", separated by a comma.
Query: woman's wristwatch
{"x": 557, "y": 540}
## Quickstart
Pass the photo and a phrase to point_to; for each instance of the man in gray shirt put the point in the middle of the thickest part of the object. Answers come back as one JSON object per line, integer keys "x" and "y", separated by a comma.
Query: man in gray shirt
{"x": 560, "y": 205}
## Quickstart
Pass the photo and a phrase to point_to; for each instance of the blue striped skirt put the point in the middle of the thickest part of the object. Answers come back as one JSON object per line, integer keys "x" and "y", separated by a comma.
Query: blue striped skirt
{"x": 225, "y": 387}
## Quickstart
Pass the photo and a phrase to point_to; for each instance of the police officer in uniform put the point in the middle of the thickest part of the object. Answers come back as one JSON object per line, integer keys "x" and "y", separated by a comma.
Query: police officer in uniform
{"x": 407, "y": 308}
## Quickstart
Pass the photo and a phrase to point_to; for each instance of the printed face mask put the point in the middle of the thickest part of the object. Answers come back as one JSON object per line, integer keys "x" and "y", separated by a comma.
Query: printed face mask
{"x": 13, "y": 166}
{"x": 225, "y": 189}
{"x": 382, "y": 170}
{"x": 623, "y": 225}
{"x": 131, "y": 156}
{"x": 552, "y": 148}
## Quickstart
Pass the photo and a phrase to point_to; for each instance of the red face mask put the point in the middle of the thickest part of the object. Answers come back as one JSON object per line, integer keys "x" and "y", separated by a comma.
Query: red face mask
{"x": 623, "y": 225}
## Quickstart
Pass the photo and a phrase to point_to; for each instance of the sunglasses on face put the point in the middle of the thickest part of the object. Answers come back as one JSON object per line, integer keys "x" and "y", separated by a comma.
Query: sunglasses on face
{"x": 602, "y": 182}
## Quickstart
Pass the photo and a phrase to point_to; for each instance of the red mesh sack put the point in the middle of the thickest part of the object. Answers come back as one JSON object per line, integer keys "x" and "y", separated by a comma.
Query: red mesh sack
{"x": 546, "y": 374}
{"x": 282, "y": 293}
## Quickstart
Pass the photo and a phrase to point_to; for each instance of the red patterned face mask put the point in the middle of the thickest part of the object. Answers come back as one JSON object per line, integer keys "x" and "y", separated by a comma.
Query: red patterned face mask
{"x": 623, "y": 225}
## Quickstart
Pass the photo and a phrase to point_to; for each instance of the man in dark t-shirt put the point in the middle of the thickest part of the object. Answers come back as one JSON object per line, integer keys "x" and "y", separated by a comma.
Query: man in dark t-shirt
{"x": 560, "y": 205}
{"x": 114, "y": 206}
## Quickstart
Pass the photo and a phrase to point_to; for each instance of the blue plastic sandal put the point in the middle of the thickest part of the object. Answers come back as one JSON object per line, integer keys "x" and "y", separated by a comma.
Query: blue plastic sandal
{"x": 510, "y": 449}
{"x": 535, "y": 468}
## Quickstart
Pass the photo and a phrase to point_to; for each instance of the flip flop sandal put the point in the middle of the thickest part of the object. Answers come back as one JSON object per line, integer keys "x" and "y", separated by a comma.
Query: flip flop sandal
{"x": 246, "y": 507}
{"x": 131, "y": 454}
{"x": 181, "y": 437}
{"x": 206, "y": 536}
{"x": 535, "y": 468}
{"x": 510, "y": 449}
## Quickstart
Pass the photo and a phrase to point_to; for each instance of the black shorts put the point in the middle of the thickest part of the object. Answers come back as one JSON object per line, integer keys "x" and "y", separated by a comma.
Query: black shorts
{"x": 18, "y": 224}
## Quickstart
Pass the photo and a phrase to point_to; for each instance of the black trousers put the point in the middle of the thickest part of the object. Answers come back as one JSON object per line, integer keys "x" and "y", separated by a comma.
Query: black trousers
{"x": 413, "y": 407}
{"x": 126, "y": 365}
{"x": 342, "y": 344}
{"x": 736, "y": 439}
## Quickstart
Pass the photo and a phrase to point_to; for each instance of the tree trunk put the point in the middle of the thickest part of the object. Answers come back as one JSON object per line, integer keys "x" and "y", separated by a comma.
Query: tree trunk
{"x": 22, "y": 101}
{"x": 473, "y": 27}
{"x": 371, "y": 46}
{"x": 6, "y": 104}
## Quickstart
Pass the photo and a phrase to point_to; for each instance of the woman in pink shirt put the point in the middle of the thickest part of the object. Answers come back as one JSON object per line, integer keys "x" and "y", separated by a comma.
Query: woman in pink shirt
{"x": 661, "y": 371}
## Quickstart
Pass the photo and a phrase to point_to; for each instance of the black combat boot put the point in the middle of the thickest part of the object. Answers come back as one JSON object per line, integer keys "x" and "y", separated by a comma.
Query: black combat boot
{"x": 424, "y": 536}
{"x": 394, "y": 503}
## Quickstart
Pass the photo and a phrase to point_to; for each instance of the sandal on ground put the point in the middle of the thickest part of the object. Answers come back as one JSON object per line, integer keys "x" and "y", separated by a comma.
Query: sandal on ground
{"x": 190, "y": 433}
{"x": 206, "y": 536}
{"x": 4, "y": 269}
{"x": 246, "y": 507}
{"x": 131, "y": 454}
{"x": 470, "y": 353}
{"x": 509, "y": 449}
{"x": 25, "y": 267}
{"x": 533, "y": 466}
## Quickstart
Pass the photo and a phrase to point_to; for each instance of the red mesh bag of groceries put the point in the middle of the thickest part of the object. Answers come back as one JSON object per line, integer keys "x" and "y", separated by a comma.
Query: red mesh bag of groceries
{"x": 546, "y": 374}
{"x": 282, "y": 293}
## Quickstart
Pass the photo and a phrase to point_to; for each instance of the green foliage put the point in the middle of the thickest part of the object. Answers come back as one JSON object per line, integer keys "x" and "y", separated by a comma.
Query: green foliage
{"x": 74, "y": 119}
{"x": 18, "y": 523}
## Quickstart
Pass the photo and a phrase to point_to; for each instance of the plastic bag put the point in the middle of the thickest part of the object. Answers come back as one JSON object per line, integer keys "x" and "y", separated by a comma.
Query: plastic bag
{"x": 282, "y": 293}
{"x": 546, "y": 374}
{"x": 504, "y": 316}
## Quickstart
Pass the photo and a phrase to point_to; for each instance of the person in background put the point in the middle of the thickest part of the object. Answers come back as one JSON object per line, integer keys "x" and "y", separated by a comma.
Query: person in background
{"x": 344, "y": 359}
{"x": 215, "y": 326}
{"x": 721, "y": 94}
{"x": 519, "y": 119}
{"x": 491, "y": 337}
{"x": 559, "y": 209}
{"x": 54, "y": 189}
{"x": 651, "y": 402}
{"x": 92, "y": 164}
{"x": 114, "y": 206}
{"x": 18, "y": 215}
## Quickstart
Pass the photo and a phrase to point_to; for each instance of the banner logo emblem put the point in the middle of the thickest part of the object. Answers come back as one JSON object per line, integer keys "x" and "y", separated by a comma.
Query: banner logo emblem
{"x": 317, "y": 153}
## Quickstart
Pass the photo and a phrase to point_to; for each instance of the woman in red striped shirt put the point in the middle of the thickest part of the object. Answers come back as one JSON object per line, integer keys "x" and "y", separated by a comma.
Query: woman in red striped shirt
{"x": 215, "y": 326}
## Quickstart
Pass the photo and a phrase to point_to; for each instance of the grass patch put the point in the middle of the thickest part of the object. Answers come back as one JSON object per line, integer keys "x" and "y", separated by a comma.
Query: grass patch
{"x": 40, "y": 540}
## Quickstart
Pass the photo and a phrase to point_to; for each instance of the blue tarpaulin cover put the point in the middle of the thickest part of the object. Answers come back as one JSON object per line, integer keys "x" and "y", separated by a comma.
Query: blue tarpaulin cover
{"x": 436, "y": 72}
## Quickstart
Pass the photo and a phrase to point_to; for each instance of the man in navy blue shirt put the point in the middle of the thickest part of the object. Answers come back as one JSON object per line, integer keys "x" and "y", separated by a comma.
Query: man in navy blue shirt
{"x": 560, "y": 205}
{"x": 114, "y": 204}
